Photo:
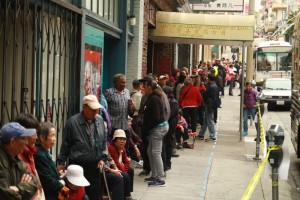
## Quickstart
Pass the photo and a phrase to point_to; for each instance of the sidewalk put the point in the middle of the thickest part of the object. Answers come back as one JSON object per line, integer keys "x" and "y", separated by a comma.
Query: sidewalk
{"x": 214, "y": 170}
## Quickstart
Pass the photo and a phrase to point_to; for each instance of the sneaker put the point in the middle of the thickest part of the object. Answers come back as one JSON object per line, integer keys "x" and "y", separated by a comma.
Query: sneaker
{"x": 157, "y": 183}
{"x": 150, "y": 179}
{"x": 244, "y": 133}
{"x": 213, "y": 138}
{"x": 144, "y": 173}
{"x": 200, "y": 137}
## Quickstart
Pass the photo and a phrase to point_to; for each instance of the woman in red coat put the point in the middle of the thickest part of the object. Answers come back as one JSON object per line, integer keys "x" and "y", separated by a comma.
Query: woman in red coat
{"x": 189, "y": 100}
{"x": 118, "y": 153}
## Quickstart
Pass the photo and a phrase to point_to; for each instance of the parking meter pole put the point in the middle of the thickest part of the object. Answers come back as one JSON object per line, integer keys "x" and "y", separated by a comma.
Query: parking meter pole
{"x": 275, "y": 195}
{"x": 257, "y": 149}
{"x": 275, "y": 138}
{"x": 257, "y": 137}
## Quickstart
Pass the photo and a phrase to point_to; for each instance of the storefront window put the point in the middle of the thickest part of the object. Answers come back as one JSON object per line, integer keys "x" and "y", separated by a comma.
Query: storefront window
{"x": 107, "y": 9}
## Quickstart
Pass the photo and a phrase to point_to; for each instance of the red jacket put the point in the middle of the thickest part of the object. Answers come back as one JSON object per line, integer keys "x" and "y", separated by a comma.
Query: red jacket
{"x": 114, "y": 153}
{"x": 190, "y": 96}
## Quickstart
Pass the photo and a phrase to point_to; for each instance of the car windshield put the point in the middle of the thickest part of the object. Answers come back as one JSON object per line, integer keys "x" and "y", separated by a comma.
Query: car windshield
{"x": 278, "y": 84}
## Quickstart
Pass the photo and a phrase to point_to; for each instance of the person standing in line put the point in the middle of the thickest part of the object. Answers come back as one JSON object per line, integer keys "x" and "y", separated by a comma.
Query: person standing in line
{"x": 84, "y": 144}
{"x": 136, "y": 96}
{"x": 146, "y": 162}
{"x": 16, "y": 182}
{"x": 169, "y": 138}
{"x": 30, "y": 121}
{"x": 249, "y": 105}
{"x": 119, "y": 106}
{"x": 232, "y": 73}
{"x": 211, "y": 101}
{"x": 189, "y": 101}
{"x": 51, "y": 181}
{"x": 155, "y": 126}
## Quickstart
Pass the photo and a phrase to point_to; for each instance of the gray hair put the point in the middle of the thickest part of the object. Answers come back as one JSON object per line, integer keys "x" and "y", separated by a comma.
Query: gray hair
{"x": 187, "y": 81}
{"x": 117, "y": 78}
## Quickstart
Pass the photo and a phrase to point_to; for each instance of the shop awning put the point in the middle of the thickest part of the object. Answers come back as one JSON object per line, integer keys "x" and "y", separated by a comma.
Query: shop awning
{"x": 190, "y": 28}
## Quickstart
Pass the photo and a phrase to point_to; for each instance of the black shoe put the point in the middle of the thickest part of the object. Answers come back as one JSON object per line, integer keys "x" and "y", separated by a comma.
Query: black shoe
{"x": 213, "y": 138}
{"x": 157, "y": 183}
{"x": 239, "y": 95}
{"x": 144, "y": 173}
{"x": 179, "y": 146}
{"x": 230, "y": 94}
{"x": 175, "y": 155}
{"x": 150, "y": 179}
{"x": 200, "y": 137}
{"x": 167, "y": 168}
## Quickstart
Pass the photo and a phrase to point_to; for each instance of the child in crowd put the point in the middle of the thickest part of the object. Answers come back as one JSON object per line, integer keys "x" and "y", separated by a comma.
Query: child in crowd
{"x": 182, "y": 131}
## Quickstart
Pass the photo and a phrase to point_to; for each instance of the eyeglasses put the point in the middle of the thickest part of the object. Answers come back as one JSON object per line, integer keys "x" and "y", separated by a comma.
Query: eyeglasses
{"x": 24, "y": 139}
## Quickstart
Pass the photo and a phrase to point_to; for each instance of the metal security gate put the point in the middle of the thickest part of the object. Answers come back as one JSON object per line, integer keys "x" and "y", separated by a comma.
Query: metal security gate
{"x": 39, "y": 60}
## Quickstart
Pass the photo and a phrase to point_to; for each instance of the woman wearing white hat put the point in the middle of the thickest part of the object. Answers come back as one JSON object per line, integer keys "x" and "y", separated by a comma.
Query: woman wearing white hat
{"x": 76, "y": 182}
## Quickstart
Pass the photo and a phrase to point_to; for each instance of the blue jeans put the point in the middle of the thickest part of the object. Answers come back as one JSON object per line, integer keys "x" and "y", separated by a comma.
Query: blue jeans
{"x": 208, "y": 122}
{"x": 247, "y": 112}
{"x": 154, "y": 151}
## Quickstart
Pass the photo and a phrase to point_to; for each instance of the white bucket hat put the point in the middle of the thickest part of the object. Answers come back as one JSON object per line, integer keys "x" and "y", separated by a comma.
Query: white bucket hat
{"x": 75, "y": 176}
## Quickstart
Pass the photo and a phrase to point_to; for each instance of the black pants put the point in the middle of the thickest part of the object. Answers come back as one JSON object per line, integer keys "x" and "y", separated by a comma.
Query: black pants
{"x": 146, "y": 162}
{"x": 179, "y": 134}
{"x": 190, "y": 115}
{"x": 117, "y": 185}
{"x": 201, "y": 113}
{"x": 167, "y": 150}
{"x": 131, "y": 175}
{"x": 216, "y": 115}
{"x": 93, "y": 175}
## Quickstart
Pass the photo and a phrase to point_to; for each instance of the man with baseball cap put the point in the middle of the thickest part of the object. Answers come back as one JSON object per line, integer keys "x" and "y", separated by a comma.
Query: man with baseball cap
{"x": 84, "y": 144}
{"x": 16, "y": 182}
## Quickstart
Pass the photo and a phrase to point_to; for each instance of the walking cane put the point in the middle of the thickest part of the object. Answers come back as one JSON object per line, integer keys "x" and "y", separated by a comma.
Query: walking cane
{"x": 105, "y": 181}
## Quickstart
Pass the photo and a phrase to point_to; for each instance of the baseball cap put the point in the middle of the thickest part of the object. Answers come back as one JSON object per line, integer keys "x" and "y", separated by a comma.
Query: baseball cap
{"x": 13, "y": 130}
{"x": 91, "y": 101}
{"x": 136, "y": 82}
{"x": 119, "y": 133}
{"x": 75, "y": 176}
{"x": 162, "y": 77}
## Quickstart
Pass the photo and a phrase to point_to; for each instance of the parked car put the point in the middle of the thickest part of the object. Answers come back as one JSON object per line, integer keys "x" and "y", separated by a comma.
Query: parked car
{"x": 276, "y": 92}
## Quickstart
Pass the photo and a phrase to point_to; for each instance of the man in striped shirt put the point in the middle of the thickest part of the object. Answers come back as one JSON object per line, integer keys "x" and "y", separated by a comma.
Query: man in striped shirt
{"x": 119, "y": 105}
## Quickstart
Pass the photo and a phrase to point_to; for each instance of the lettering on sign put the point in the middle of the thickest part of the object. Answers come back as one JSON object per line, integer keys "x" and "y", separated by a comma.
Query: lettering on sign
{"x": 203, "y": 31}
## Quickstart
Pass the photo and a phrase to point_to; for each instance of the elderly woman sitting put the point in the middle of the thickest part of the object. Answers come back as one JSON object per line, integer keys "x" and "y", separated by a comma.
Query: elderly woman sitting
{"x": 118, "y": 153}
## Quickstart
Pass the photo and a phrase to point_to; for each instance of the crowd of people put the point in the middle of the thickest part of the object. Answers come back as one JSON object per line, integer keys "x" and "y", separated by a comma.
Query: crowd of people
{"x": 99, "y": 144}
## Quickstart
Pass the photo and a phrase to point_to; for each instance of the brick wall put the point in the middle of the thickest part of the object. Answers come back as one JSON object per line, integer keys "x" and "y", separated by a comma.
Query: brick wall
{"x": 162, "y": 58}
{"x": 145, "y": 38}
{"x": 135, "y": 49}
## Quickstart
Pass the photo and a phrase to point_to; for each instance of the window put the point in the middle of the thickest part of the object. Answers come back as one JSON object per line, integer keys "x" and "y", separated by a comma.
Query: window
{"x": 107, "y": 9}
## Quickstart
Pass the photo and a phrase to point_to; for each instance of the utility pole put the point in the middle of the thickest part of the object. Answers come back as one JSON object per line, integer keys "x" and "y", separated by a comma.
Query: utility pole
{"x": 249, "y": 65}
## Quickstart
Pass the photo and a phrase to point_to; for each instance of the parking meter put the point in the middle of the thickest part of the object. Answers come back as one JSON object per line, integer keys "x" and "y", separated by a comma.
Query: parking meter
{"x": 275, "y": 137}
